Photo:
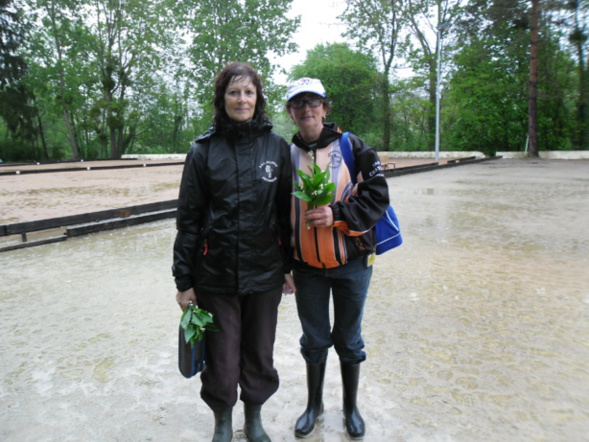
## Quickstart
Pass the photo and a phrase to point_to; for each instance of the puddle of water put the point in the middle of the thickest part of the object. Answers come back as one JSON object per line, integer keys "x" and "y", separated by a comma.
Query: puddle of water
{"x": 476, "y": 328}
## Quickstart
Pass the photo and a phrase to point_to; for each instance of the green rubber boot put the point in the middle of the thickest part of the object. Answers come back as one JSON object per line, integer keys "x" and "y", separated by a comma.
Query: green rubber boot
{"x": 223, "y": 428}
{"x": 253, "y": 424}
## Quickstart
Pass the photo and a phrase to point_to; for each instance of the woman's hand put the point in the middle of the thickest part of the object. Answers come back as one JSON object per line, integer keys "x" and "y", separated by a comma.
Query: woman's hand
{"x": 321, "y": 216}
{"x": 288, "y": 288}
{"x": 185, "y": 298}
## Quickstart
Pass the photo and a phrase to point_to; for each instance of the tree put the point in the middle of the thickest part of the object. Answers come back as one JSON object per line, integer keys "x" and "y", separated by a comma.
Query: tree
{"x": 349, "y": 78}
{"x": 533, "y": 84}
{"x": 488, "y": 94}
{"x": 128, "y": 39}
{"x": 16, "y": 110}
{"x": 579, "y": 37}
{"x": 251, "y": 31}
{"x": 428, "y": 21}
{"x": 11, "y": 64}
{"x": 164, "y": 127}
{"x": 61, "y": 28}
{"x": 98, "y": 58}
{"x": 412, "y": 110}
{"x": 486, "y": 97}
{"x": 377, "y": 25}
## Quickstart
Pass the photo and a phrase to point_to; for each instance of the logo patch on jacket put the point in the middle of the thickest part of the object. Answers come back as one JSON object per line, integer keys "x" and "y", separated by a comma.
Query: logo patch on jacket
{"x": 268, "y": 169}
{"x": 335, "y": 158}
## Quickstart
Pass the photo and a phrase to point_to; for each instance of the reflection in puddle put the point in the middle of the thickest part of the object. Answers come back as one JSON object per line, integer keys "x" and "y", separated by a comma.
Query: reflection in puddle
{"x": 426, "y": 191}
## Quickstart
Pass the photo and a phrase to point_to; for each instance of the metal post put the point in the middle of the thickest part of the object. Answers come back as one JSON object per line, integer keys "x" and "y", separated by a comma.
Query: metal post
{"x": 441, "y": 29}
{"x": 438, "y": 96}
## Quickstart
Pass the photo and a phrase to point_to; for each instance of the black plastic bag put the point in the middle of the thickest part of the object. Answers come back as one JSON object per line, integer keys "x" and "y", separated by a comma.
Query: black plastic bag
{"x": 191, "y": 357}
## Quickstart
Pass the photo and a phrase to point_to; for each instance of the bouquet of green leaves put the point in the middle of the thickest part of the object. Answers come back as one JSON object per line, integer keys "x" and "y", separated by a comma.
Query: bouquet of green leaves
{"x": 315, "y": 187}
{"x": 195, "y": 321}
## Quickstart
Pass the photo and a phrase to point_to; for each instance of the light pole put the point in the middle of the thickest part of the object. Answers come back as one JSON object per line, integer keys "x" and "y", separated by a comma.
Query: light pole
{"x": 441, "y": 28}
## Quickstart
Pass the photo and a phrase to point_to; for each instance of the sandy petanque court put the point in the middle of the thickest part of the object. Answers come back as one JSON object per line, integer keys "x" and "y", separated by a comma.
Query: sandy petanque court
{"x": 35, "y": 196}
{"x": 91, "y": 186}
{"x": 476, "y": 328}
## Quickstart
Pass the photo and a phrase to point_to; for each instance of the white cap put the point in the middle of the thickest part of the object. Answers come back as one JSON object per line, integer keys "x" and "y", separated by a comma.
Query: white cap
{"x": 305, "y": 85}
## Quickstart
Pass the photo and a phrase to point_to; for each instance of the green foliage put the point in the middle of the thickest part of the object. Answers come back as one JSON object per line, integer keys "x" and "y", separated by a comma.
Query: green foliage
{"x": 410, "y": 131}
{"x": 315, "y": 188}
{"x": 195, "y": 321}
{"x": 96, "y": 79}
{"x": 163, "y": 127}
{"x": 557, "y": 96}
{"x": 17, "y": 150}
{"x": 377, "y": 27}
{"x": 283, "y": 125}
{"x": 91, "y": 62}
{"x": 485, "y": 107}
{"x": 16, "y": 98}
{"x": 12, "y": 64}
{"x": 234, "y": 30}
{"x": 111, "y": 77}
{"x": 421, "y": 51}
{"x": 350, "y": 79}
{"x": 488, "y": 99}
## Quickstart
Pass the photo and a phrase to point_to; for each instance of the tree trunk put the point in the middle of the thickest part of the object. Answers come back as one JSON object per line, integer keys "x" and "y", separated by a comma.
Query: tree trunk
{"x": 63, "y": 87}
{"x": 533, "y": 86}
{"x": 41, "y": 130}
{"x": 70, "y": 132}
{"x": 114, "y": 148}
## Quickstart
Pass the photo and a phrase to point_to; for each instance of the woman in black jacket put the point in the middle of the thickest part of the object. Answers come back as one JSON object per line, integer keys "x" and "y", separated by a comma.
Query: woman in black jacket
{"x": 231, "y": 254}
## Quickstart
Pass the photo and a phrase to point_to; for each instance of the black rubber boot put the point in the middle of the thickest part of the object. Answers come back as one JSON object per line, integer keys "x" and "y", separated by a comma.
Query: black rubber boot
{"x": 306, "y": 423}
{"x": 223, "y": 426}
{"x": 253, "y": 424}
{"x": 354, "y": 422}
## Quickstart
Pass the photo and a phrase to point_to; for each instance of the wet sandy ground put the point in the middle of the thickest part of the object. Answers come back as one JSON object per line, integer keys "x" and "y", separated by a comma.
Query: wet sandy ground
{"x": 476, "y": 328}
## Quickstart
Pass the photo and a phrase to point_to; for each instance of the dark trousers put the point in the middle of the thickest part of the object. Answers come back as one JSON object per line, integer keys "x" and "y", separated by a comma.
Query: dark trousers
{"x": 241, "y": 352}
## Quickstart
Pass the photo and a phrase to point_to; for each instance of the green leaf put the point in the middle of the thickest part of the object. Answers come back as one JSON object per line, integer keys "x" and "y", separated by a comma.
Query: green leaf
{"x": 195, "y": 322}
{"x": 323, "y": 201}
{"x": 189, "y": 335}
{"x": 316, "y": 189}
{"x": 301, "y": 173}
{"x": 186, "y": 317}
{"x": 302, "y": 195}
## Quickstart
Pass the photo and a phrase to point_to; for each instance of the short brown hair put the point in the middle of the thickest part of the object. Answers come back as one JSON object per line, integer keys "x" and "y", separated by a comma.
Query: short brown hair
{"x": 229, "y": 72}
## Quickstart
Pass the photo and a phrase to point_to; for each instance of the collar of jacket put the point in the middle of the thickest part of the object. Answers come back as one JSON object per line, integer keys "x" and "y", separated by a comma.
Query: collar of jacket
{"x": 329, "y": 134}
{"x": 237, "y": 131}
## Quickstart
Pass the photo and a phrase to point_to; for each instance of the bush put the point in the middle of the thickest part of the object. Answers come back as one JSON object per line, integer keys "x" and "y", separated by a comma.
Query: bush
{"x": 14, "y": 150}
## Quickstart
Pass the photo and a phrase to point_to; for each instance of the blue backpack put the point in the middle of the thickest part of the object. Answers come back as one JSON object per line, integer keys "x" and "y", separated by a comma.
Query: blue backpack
{"x": 386, "y": 229}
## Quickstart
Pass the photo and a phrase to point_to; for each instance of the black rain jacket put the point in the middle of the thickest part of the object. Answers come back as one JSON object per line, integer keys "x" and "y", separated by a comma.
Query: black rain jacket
{"x": 233, "y": 224}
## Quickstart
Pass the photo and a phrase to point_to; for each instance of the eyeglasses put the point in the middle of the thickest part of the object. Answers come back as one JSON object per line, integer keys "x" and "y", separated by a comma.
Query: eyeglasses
{"x": 299, "y": 103}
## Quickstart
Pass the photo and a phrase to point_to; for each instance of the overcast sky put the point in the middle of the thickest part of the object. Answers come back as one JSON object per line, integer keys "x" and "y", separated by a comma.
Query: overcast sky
{"x": 319, "y": 25}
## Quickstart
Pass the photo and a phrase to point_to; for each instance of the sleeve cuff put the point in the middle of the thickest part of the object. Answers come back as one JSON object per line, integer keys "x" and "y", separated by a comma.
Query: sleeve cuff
{"x": 183, "y": 284}
{"x": 337, "y": 214}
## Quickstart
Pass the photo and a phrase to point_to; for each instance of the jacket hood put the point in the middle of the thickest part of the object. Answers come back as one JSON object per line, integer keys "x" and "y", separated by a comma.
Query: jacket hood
{"x": 329, "y": 134}
{"x": 237, "y": 130}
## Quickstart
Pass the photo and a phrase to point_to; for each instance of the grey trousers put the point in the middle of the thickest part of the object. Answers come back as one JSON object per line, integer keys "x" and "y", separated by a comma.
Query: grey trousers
{"x": 241, "y": 352}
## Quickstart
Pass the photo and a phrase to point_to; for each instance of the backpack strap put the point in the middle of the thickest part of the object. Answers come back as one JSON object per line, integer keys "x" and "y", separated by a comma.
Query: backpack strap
{"x": 346, "y": 149}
